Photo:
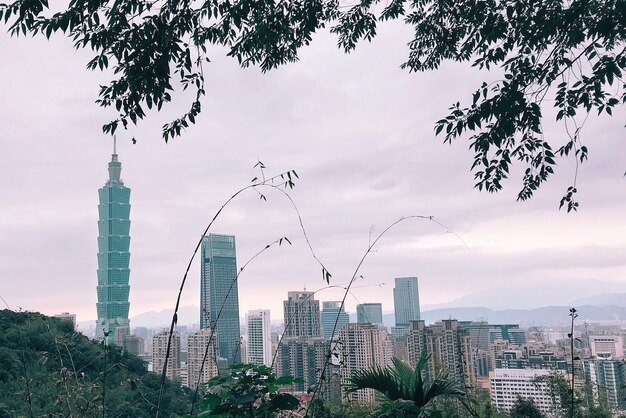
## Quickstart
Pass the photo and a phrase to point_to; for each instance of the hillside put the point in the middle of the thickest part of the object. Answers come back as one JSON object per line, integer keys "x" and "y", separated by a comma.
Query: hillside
{"x": 48, "y": 369}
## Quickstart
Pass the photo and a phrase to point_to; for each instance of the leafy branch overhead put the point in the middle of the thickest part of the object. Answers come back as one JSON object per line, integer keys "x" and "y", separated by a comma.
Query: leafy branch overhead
{"x": 570, "y": 52}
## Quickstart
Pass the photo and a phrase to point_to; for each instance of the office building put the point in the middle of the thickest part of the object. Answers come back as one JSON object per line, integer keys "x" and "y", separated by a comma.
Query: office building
{"x": 200, "y": 344}
{"x": 406, "y": 302}
{"x": 483, "y": 333}
{"x": 131, "y": 343}
{"x": 606, "y": 346}
{"x": 302, "y": 315}
{"x": 159, "y": 352}
{"x": 219, "y": 296}
{"x": 363, "y": 346}
{"x": 113, "y": 253}
{"x": 506, "y": 385}
{"x": 259, "y": 344}
{"x": 333, "y": 313}
{"x": 369, "y": 313}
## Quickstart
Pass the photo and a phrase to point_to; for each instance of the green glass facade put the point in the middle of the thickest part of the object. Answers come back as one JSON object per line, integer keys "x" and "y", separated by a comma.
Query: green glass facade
{"x": 113, "y": 254}
{"x": 218, "y": 287}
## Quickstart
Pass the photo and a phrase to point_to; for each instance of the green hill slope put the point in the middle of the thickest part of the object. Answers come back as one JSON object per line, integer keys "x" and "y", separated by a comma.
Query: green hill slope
{"x": 48, "y": 369}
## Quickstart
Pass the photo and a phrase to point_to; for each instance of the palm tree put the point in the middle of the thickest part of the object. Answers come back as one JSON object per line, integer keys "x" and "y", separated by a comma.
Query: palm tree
{"x": 407, "y": 392}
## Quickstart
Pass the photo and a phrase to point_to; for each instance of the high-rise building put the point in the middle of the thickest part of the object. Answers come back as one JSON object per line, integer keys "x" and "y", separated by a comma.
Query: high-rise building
{"x": 159, "y": 352}
{"x": 219, "y": 294}
{"x": 362, "y": 346}
{"x": 113, "y": 253}
{"x": 302, "y": 358}
{"x": 197, "y": 344}
{"x": 406, "y": 302}
{"x": 302, "y": 315}
{"x": 448, "y": 346}
{"x": 607, "y": 381}
{"x": 303, "y": 351}
{"x": 259, "y": 337}
{"x": 333, "y": 313}
{"x": 369, "y": 313}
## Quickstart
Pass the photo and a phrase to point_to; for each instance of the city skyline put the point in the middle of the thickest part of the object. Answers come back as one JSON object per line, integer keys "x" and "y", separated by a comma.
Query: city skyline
{"x": 367, "y": 142}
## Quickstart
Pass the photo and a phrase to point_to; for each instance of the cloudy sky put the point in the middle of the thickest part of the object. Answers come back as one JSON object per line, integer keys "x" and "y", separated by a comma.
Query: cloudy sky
{"x": 359, "y": 132}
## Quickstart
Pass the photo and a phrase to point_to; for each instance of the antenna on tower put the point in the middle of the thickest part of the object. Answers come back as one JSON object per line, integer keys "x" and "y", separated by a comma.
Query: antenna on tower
{"x": 114, "y": 144}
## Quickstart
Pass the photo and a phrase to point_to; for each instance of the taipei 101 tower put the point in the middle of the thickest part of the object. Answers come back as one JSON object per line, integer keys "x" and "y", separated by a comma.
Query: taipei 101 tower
{"x": 113, "y": 253}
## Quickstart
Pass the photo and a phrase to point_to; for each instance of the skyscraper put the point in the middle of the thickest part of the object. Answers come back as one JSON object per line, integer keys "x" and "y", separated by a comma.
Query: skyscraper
{"x": 330, "y": 311}
{"x": 259, "y": 337}
{"x": 113, "y": 253}
{"x": 302, "y": 315}
{"x": 406, "y": 301}
{"x": 219, "y": 292}
{"x": 369, "y": 313}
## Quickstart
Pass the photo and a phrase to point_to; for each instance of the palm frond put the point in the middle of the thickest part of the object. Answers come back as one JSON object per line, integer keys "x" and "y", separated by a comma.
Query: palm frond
{"x": 417, "y": 394}
{"x": 405, "y": 386}
{"x": 381, "y": 379}
{"x": 442, "y": 385}
{"x": 404, "y": 376}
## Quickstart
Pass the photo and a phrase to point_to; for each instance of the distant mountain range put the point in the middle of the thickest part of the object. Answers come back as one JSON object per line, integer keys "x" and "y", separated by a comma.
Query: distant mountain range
{"x": 546, "y": 315}
{"x": 604, "y": 307}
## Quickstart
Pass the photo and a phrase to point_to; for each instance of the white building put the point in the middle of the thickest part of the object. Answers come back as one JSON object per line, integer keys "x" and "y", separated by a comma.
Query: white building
{"x": 604, "y": 345}
{"x": 197, "y": 344}
{"x": 159, "y": 350}
{"x": 259, "y": 337}
{"x": 363, "y": 346}
{"x": 509, "y": 384}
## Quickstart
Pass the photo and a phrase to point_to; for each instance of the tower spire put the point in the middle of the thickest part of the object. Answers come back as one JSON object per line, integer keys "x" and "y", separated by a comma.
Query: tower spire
{"x": 115, "y": 167}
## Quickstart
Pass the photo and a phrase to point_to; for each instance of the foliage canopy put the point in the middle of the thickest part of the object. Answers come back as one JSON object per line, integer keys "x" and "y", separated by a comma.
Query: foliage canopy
{"x": 247, "y": 390}
{"x": 48, "y": 369}
{"x": 570, "y": 52}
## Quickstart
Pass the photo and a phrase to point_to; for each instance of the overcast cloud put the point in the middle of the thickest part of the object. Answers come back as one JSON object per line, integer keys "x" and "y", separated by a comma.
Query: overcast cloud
{"x": 359, "y": 132}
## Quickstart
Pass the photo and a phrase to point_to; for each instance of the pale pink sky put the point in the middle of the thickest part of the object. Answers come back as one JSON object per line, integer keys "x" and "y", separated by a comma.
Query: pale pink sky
{"x": 357, "y": 129}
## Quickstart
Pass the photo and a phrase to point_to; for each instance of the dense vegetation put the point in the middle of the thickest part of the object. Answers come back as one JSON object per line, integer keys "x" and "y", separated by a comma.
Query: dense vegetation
{"x": 48, "y": 369}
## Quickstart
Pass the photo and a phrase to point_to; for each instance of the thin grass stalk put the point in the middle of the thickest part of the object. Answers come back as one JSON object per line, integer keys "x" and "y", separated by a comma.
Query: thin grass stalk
{"x": 269, "y": 182}
{"x": 182, "y": 285}
{"x": 104, "y": 376}
{"x": 63, "y": 373}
